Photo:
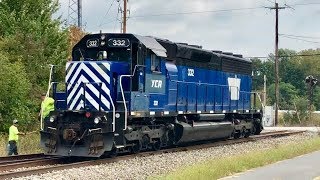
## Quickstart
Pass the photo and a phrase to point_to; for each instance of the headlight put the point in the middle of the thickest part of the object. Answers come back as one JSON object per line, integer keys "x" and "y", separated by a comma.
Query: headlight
{"x": 96, "y": 120}
{"x": 52, "y": 118}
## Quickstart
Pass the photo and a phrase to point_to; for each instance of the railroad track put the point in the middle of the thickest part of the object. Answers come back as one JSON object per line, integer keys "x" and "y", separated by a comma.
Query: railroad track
{"x": 61, "y": 163}
{"x": 21, "y": 157}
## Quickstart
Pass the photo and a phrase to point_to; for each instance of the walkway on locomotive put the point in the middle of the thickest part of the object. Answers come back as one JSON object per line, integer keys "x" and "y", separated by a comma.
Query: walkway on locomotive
{"x": 158, "y": 86}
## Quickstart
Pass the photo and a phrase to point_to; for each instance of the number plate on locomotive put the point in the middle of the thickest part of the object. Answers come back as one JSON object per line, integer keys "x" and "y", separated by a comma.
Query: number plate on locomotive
{"x": 92, "y": 43}
{"x": 118, "y": 42}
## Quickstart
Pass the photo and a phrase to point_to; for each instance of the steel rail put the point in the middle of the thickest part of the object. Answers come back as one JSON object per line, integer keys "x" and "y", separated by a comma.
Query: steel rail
{"x": 31, "y": 163}
{"x": 57, "y": 167}
{"x": 21, "y": 157}
{"x": 23, "y": 160}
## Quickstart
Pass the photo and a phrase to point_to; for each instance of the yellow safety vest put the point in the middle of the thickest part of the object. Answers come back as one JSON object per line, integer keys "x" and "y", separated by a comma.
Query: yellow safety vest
{"x": 47, "y": 106}
{"x": 13, "y": 133}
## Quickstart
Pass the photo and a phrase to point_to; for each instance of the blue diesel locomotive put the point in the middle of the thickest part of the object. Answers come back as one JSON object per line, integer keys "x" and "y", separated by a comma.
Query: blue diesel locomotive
{"x": 125, "y": 92}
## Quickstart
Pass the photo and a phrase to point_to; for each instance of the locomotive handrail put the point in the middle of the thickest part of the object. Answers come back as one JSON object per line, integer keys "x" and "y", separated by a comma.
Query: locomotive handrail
{"x": 123, "y": 98}
{"x": 47, "y": 94}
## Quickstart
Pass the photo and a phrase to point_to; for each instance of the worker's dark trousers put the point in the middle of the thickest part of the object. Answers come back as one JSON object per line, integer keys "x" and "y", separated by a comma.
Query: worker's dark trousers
{"x": 13, "y": 148}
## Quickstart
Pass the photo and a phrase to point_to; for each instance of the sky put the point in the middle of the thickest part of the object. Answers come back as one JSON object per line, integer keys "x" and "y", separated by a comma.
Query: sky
{"x": 250, "y": 32}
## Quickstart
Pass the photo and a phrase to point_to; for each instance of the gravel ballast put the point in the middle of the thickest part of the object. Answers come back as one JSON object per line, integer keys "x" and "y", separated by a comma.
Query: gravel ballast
{"x": 144, "y": 167}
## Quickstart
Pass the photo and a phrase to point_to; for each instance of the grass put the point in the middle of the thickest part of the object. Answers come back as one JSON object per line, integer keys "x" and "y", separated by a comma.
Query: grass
{"x": 227, "y": 166}
{"x": 28, "y": 144}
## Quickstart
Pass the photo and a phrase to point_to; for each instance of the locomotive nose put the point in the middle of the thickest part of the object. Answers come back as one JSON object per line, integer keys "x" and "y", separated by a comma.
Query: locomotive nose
{"x": 88, "y": 85}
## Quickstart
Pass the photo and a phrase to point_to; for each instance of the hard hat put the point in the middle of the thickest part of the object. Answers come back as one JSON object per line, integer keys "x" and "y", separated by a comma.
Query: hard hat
{"x": 15, "y": 121}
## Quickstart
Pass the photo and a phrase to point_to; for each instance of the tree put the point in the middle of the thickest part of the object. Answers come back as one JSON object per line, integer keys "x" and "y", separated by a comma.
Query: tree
{"x": 30, "y": 34}
{"x": 14, "y": 92}
{"x": 75, "y": 35}
{"x": 287, "y": 94}
{"x": 30, "y": 39}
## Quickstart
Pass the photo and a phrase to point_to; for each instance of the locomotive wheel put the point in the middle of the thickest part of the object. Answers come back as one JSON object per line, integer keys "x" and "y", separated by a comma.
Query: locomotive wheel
{"x": 257, "y": 129}
{"x": 236, "y": 134}
{"x": 244, "y": 132}
{"x": 136, "y": 148}
{"x": 113, "y": 153}
{"x": 247, "y": 133}
{"x": 156, "y": 145}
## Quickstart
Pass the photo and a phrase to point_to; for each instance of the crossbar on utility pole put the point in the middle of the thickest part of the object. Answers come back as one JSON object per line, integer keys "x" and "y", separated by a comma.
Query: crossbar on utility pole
{"x": 276, "y": 7}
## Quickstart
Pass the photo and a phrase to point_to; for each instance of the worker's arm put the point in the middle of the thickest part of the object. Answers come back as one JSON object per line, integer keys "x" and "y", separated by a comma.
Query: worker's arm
{"x": 19, "y": 133}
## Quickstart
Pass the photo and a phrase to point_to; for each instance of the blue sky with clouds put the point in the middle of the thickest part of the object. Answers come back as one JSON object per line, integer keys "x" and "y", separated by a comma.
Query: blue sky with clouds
{"x": 247, "y": 32}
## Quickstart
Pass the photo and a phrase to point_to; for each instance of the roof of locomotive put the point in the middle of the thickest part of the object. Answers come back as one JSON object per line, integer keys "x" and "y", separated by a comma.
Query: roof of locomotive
{"x": 175, "y": 49}
{"x": 172, "y": 49}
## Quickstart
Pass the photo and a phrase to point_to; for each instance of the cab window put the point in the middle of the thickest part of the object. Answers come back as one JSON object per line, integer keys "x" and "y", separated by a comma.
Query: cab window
{"x": 155, "y": 63}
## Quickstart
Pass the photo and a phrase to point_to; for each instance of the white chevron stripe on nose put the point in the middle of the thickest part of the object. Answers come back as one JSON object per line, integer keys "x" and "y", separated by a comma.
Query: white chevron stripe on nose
{"x": 71, "y": 69}
{"x": 88, "y": 97}
{"x": 74, "y": 101}
{"x": 107, "y": 65}
{"x": 91, "y": 87}
{"x": 96, "y": 92}
{"x": 80, "y": 105}
{"x": 101, "y": 71}
{"x": 92, "y": 101}
{"x": 88, "y": 72}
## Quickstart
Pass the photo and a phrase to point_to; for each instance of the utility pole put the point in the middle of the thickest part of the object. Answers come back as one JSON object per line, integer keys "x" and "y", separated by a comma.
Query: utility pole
{"x": 124, "y": 29}
{"x": 125, "y": 13}
{"x": 276, "y": 7}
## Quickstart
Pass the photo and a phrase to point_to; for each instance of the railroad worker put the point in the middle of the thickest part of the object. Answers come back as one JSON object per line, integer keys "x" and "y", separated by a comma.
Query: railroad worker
{"x": 13, "y": 138}
{"x": 47, "y": 105}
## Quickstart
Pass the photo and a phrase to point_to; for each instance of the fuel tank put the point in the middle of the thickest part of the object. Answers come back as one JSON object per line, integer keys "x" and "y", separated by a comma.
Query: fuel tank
{"x": 199, "y": 131}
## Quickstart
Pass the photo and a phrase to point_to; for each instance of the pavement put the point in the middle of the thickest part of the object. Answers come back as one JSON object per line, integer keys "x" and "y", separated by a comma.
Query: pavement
{"x": 309, "y": 129}
{"x": 305, "y": 167}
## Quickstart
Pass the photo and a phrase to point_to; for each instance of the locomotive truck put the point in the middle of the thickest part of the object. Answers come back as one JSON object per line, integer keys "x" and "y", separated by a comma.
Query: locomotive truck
{"x": 128, "y": 93}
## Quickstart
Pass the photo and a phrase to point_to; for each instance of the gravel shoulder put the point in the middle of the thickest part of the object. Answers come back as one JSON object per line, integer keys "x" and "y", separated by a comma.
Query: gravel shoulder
{"x": 155, "y": 165}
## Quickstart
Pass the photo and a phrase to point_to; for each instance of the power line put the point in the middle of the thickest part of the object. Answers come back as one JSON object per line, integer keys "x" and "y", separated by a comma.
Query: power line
{"x": 285, "y": 56}
{"x": 197, "y": 12}
{"x": 214, "y": 11}
{"x": 117, "y": 18}
{"x": 106, "y": 13}
{"x": 289, "y": 37}
{"x": 299, "y": 36}
{"x": 271, "y": 1}
{"x": 305, "y": 4}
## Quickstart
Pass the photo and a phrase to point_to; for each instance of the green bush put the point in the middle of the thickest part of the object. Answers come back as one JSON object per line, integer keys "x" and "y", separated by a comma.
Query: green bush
{"x": 14, "y": 92}
{"x": 299, "y": 115}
